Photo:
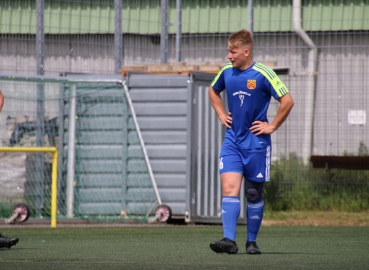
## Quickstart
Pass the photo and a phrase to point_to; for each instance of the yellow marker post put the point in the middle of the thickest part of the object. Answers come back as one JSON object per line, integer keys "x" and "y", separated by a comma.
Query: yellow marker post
{"x": 54, "y": 173}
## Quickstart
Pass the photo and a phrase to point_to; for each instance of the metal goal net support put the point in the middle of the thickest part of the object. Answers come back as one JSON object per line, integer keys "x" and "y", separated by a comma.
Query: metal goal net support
{"x": 103, "y": 172}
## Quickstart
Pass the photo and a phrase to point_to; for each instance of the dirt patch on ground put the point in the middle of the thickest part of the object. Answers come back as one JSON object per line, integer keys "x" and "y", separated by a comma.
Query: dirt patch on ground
{"x": 270, "y": 219}
{"x": 318, "y": 219}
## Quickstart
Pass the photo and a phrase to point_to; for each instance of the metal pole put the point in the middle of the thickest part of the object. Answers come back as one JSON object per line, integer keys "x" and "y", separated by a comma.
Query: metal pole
{"x": 251, "y": 16}
{"x": 40, "y": 129}
{"x": 164, "y": 32}
{"x": 71, "y": 151}
{"x": 54, "y": 188}
{"x": 40, "y": 37}
{"x": 126, "y": 91}
{"x": 118, "y": 36}
{"x": 61, "y": 195}
{"x": 125, "y": 119}
{"x": 179, "y": 32}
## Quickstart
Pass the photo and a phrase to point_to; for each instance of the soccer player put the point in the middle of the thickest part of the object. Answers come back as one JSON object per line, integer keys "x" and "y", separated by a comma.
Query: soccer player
{"x": 246, "y": 149}
{"x": 5, "y": 241}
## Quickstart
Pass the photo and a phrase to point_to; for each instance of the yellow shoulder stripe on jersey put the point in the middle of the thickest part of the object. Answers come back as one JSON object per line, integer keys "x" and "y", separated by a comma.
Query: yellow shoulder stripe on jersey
{"x": 229, "y": 65}
{"x": 272, "y": 77}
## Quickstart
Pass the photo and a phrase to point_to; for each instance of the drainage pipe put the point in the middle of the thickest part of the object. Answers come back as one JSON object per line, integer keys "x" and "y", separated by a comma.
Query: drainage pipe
{"x": 311, "y": 72}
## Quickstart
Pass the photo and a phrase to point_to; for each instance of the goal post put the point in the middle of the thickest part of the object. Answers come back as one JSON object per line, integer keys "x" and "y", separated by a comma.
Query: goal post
{"x": 54, "y": 172}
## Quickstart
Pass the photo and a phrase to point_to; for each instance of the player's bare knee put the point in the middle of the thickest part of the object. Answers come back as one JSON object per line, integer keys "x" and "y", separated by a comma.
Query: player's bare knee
{"x": 229, "y": 190}
{"x": 231, "y": 187}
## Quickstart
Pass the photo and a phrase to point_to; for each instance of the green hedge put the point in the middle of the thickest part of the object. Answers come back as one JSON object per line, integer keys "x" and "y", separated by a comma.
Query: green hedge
{"x": 295, "y": 186}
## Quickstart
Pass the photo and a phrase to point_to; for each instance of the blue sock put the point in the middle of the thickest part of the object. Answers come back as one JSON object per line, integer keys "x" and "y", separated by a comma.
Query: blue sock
{"x": 254, "y": 215}
{"x": 230, "y": 214}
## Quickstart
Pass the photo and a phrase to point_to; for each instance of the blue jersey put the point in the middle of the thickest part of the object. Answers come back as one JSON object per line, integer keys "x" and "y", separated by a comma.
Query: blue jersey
{"x": 248, "y": 94}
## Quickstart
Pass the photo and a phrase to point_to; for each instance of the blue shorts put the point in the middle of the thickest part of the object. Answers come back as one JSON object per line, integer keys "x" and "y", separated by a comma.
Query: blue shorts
{"x": 253, "y": 164}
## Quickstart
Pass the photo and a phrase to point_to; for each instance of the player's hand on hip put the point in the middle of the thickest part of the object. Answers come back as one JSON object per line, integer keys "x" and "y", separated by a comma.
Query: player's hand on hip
{"x": 226, "y": 120}
{"x": 259, "y": 127}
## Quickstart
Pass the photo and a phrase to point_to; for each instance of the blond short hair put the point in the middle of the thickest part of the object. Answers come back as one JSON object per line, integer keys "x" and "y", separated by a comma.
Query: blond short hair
{"x": 241, "y": 38}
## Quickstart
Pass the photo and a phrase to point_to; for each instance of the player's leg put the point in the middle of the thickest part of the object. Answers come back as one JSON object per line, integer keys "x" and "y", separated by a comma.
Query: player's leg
{"x": 8, "y": 242}
{"x": 257, "y": 169}
{"x": 254, "y": 214}
{"x": 230, "y": 167}
{"x": 231, "y": 185}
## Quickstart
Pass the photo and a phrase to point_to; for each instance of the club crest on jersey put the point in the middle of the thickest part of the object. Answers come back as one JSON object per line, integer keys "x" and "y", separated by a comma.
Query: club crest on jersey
{"x": 251, "y": 84}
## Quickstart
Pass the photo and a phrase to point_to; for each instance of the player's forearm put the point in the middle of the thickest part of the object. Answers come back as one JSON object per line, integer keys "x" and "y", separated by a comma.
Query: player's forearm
{"x": 1, "y": 100}
{"x": 283, "y": 111}
{"x": 216, "y": 103}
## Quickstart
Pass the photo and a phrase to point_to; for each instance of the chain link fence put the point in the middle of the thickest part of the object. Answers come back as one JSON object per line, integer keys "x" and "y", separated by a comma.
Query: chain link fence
{"x": 319, "y": 49}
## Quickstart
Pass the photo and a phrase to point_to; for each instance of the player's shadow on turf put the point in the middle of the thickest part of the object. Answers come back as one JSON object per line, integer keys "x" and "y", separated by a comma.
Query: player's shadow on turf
{"x": 279, "y": 253}
{"x": 13, "y": 249}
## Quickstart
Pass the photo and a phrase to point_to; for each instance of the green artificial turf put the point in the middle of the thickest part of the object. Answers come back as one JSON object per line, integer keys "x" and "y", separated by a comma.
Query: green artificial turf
{"x": 184, "y": 247}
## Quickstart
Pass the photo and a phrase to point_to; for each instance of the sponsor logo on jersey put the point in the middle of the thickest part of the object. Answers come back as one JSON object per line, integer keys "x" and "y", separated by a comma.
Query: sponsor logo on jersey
{"x": 241, "y": 95}
{"x": 251, "y": 84}
{"x": 241, "y": 98}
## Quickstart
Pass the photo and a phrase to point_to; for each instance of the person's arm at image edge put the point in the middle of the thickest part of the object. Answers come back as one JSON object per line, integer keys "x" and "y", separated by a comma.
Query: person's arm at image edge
{"x": 1, "y": 100}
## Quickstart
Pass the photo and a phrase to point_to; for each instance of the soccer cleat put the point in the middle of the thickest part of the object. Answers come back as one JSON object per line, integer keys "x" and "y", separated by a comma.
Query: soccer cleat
{"x": 8, "y": 242}
{"x": 224, "y": 246}
{"x": 252, "y": 248}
